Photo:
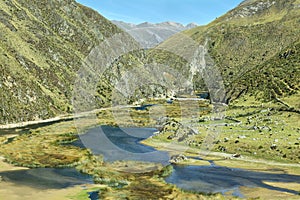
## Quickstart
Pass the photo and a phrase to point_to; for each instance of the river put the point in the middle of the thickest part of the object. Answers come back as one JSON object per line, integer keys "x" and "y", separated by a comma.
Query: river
{"x": 47, "y": 178}
{"x": 124, "y": 144}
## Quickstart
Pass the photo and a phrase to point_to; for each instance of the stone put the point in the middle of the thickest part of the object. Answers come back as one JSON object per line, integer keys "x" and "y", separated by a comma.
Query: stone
{"x": 177, "y": 158}
{"x": 236, "y": 155}
{"x": 222, "y": 148}
{"x": 273, "y": 146}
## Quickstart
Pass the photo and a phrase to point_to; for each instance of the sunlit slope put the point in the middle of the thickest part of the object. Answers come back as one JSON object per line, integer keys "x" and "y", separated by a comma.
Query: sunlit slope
{"x": 42, "y": 45}
{"x": 256, "y": 48}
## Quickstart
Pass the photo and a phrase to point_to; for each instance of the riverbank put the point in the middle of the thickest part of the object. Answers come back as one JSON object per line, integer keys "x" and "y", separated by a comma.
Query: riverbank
{"x": 46, "y": 146}
{"x": 51, "y": 120}
{"x": 13, "y": 191}
{"x": 198, "y": 157}
{"x": 4, "y": 166}
{"x": 268, "y": 190}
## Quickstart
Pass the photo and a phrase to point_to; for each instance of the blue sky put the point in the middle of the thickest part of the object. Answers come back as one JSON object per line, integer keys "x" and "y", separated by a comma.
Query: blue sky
{"x": 182, "y": 11}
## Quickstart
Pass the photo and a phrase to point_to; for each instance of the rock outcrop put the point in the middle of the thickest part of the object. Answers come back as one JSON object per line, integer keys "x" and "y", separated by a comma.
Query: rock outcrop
{"x": 174, "y": 130}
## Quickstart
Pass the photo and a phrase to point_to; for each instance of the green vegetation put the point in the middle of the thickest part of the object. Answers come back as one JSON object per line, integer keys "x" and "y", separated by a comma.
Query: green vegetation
{"x": 84, "y": 194}
{"x": 42, "y": 46}
{"x": 48, "y": 147}
{"x": 44, "y": 147}
{"x": 257, "y": 54}
{"x": 256, "y": 126}
{"x": 265, "y": 132}
{"x": 250, "y": 128}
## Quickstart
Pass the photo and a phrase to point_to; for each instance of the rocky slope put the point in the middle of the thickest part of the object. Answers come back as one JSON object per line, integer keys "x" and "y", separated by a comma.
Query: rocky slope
{"x": 42, "y": 45}
{"x": 256, "y": 48}
{"x": 149, "y": 35}
{"x": 59, "y": 57}
{"x": 253, "y": 50}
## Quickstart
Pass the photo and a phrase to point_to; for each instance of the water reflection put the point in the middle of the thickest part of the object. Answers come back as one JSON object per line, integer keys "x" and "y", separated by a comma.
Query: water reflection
{"x": 47, "y": 178}
{"x": 116, "y": 143}
{"x": 214, "y": 179}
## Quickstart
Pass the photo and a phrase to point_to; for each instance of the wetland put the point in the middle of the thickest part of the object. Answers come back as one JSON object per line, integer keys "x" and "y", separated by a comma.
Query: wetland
{"x": 132, "y": 159}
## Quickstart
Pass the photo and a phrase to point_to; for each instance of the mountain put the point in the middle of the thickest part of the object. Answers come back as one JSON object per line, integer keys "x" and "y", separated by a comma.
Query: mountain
{"x": 42, "y": 46}
{"x": 149, "y": 35}
{"x": 46, "y": 46}
{"x": 256, "y": 48}
{"x": 51, "y": 56}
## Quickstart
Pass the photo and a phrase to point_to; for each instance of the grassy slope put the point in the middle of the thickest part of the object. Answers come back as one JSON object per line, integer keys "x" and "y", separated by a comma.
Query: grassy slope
{"x": 42, "y": 45}
{"x": 283, "y": 125}
{"x": 258, "y": 56}
{"x": 257, "y": 52}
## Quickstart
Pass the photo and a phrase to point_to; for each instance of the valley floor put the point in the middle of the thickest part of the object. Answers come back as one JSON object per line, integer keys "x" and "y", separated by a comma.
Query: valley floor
{"x": 261, "y": 138}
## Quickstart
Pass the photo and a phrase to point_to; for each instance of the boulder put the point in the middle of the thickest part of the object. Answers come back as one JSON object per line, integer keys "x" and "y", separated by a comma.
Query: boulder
{"x": 174, "y": 129}
{"x": 236, "y": 155}
{"x": 273, "y": 146}
{"x": 175, "y": 159}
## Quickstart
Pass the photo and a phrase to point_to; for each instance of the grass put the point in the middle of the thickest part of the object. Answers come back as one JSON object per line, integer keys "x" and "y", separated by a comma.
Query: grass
{"x": 153, "y": 188}
{"x": 41, "y": 52}
{"x": 42, "y": 147}
{"x": 46, "y": 147}
{"x": 37, "y": 72}
{"x": 248, "y": 51}
{"x": 84, "y": 194}
{"x": 263, "y": 126}
{"x": 149, "y": 117}
{"x": 263, "y": 131}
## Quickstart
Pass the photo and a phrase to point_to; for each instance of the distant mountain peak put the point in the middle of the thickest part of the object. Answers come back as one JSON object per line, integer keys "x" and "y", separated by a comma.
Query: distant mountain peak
{"x": 144, "y": 24}
{"x": 191, "y": 25}
{"x": 172, "y": 24}
{"x": 151, "y": 34}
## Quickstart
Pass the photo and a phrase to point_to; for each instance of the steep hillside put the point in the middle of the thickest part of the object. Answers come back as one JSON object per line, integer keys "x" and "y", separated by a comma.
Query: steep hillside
{"x": 149, "y": 35}
{"x": 42, "y": 45}
{"x": 256, "y": 48}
